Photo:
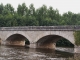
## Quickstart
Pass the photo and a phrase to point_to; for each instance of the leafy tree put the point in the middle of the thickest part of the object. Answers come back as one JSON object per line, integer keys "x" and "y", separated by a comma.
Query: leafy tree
{"x": 31, "y": 10}
{"x": 1, "y": 8}
{"x": 41, "y": 14}
{"x": 22, "y": 9}
{"x": 31, "y": 21}
{"x": 2, "y": 21}
{"x": 8, "y": 9}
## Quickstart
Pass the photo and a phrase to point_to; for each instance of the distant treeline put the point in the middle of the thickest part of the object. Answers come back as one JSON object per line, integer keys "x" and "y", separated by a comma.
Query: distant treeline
{"x": 29, "y": 16}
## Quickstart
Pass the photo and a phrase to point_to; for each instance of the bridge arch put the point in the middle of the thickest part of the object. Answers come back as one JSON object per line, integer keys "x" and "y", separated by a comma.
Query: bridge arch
{"x": 17, "y": 39}
{"x": 49, "y": 41}
{"x": 59, "y": 34}
{"x": 65, "y": 34}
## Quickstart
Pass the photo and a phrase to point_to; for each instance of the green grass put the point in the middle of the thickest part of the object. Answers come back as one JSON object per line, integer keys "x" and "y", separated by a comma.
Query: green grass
{"x": 77, "y": 37}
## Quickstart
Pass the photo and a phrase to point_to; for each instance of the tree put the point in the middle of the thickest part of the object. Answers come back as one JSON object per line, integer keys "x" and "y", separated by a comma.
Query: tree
{"x": 31, "y": 21}
{"x": 8, "y": 9}
{"x": 2, "y": 21}
{"x": 67, "y": 18}
{"x": 31, "y": 10}
{"x": 41, "y": 14}
{"x": 1, "y": 8}
{"x": 22, "y": 9}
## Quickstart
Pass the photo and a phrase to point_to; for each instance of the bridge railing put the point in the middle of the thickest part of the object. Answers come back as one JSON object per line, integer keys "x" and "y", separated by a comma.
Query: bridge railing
{"x": 41, "y": 28}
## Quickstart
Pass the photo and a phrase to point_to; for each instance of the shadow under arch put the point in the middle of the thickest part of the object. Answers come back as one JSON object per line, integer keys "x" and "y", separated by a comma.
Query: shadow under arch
{"x": 49, "y": 41}
{"x": 64, "y": 43}
{"x": 17, "y": 40}
{"x": 0, "y": 41}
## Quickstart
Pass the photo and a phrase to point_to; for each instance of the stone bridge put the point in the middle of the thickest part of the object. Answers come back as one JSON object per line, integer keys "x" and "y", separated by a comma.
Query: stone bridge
{"x": 37, "y": 36}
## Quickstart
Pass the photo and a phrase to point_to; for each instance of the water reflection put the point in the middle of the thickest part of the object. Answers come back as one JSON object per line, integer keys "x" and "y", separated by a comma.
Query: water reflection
{"x": 55, "y": 53}
{"x": 23, "y": 53}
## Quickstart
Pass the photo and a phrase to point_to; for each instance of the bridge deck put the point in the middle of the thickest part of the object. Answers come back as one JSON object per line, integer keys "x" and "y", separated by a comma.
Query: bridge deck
{"x": 41, "y": 28}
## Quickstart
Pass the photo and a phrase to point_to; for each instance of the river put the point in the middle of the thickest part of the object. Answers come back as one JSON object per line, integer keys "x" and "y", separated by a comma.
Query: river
{"x": 23, "y": 53}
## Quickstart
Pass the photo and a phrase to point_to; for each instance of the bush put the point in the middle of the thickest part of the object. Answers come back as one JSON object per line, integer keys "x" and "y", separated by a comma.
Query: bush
{"x": 77, "y": 37}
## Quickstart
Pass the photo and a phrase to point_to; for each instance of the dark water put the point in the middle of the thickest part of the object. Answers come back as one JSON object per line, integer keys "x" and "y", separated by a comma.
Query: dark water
{"x": 23, "y": 53}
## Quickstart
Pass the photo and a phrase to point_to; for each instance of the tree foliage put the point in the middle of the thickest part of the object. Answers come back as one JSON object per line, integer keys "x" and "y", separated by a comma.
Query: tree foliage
{"x": 29, "y": 16}
{"x": 77, "y": 37}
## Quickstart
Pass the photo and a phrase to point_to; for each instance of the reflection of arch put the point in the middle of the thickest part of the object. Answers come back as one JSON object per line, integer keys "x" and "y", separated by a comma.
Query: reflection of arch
{"x": 16, "y": 39}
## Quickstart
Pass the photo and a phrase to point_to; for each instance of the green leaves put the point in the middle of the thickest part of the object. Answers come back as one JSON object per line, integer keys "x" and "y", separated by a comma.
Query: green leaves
{"x": 22, "y": 9}
{"x": 77, "y": 37}
{"x": 31, "y": 21}
{"x": 29, "y": 16}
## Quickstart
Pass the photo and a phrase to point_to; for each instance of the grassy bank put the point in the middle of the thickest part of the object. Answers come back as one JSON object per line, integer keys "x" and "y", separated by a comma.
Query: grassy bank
{"x": 77, "y": 37}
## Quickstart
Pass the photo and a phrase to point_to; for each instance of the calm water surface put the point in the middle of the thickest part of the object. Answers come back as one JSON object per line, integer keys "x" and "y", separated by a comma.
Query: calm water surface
{"x": 23, "y": 53}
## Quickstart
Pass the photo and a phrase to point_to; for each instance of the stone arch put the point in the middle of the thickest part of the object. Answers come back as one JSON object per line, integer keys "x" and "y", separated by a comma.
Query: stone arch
{"x": 16, "y": 39}
{"x": 16, "y": 32}
{"x": 49, "y": 41}
{"x": 63, "y": 34}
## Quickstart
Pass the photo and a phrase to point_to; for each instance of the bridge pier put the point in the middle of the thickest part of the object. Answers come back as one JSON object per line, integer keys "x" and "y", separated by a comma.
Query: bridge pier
{"x": 77, "y": 49}
{"x": 32, "y": 45}
{"x": 16, "y": 43}
{"x": 46, "y": 45}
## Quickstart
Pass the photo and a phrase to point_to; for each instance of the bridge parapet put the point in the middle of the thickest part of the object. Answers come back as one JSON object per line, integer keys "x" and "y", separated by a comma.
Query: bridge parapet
{"x": 41, "y": 28}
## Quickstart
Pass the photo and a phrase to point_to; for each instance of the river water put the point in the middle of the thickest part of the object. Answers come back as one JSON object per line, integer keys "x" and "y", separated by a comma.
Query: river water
{"x": 24, "y": 53}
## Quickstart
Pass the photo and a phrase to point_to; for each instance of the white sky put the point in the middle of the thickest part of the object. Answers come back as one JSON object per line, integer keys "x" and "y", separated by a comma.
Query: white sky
{"x": 61, "y": 5}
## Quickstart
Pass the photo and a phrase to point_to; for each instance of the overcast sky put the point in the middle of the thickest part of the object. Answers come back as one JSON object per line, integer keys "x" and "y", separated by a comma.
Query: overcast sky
{"x": 61, "y": 5}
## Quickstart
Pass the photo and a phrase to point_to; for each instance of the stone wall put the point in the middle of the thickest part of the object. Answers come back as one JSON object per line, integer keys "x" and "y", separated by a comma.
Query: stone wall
{"x": 0, "y": 41}
{"x": 16, "y": 43}
{"x": 47, "y": 45}
{"x": 41, "y": 28}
